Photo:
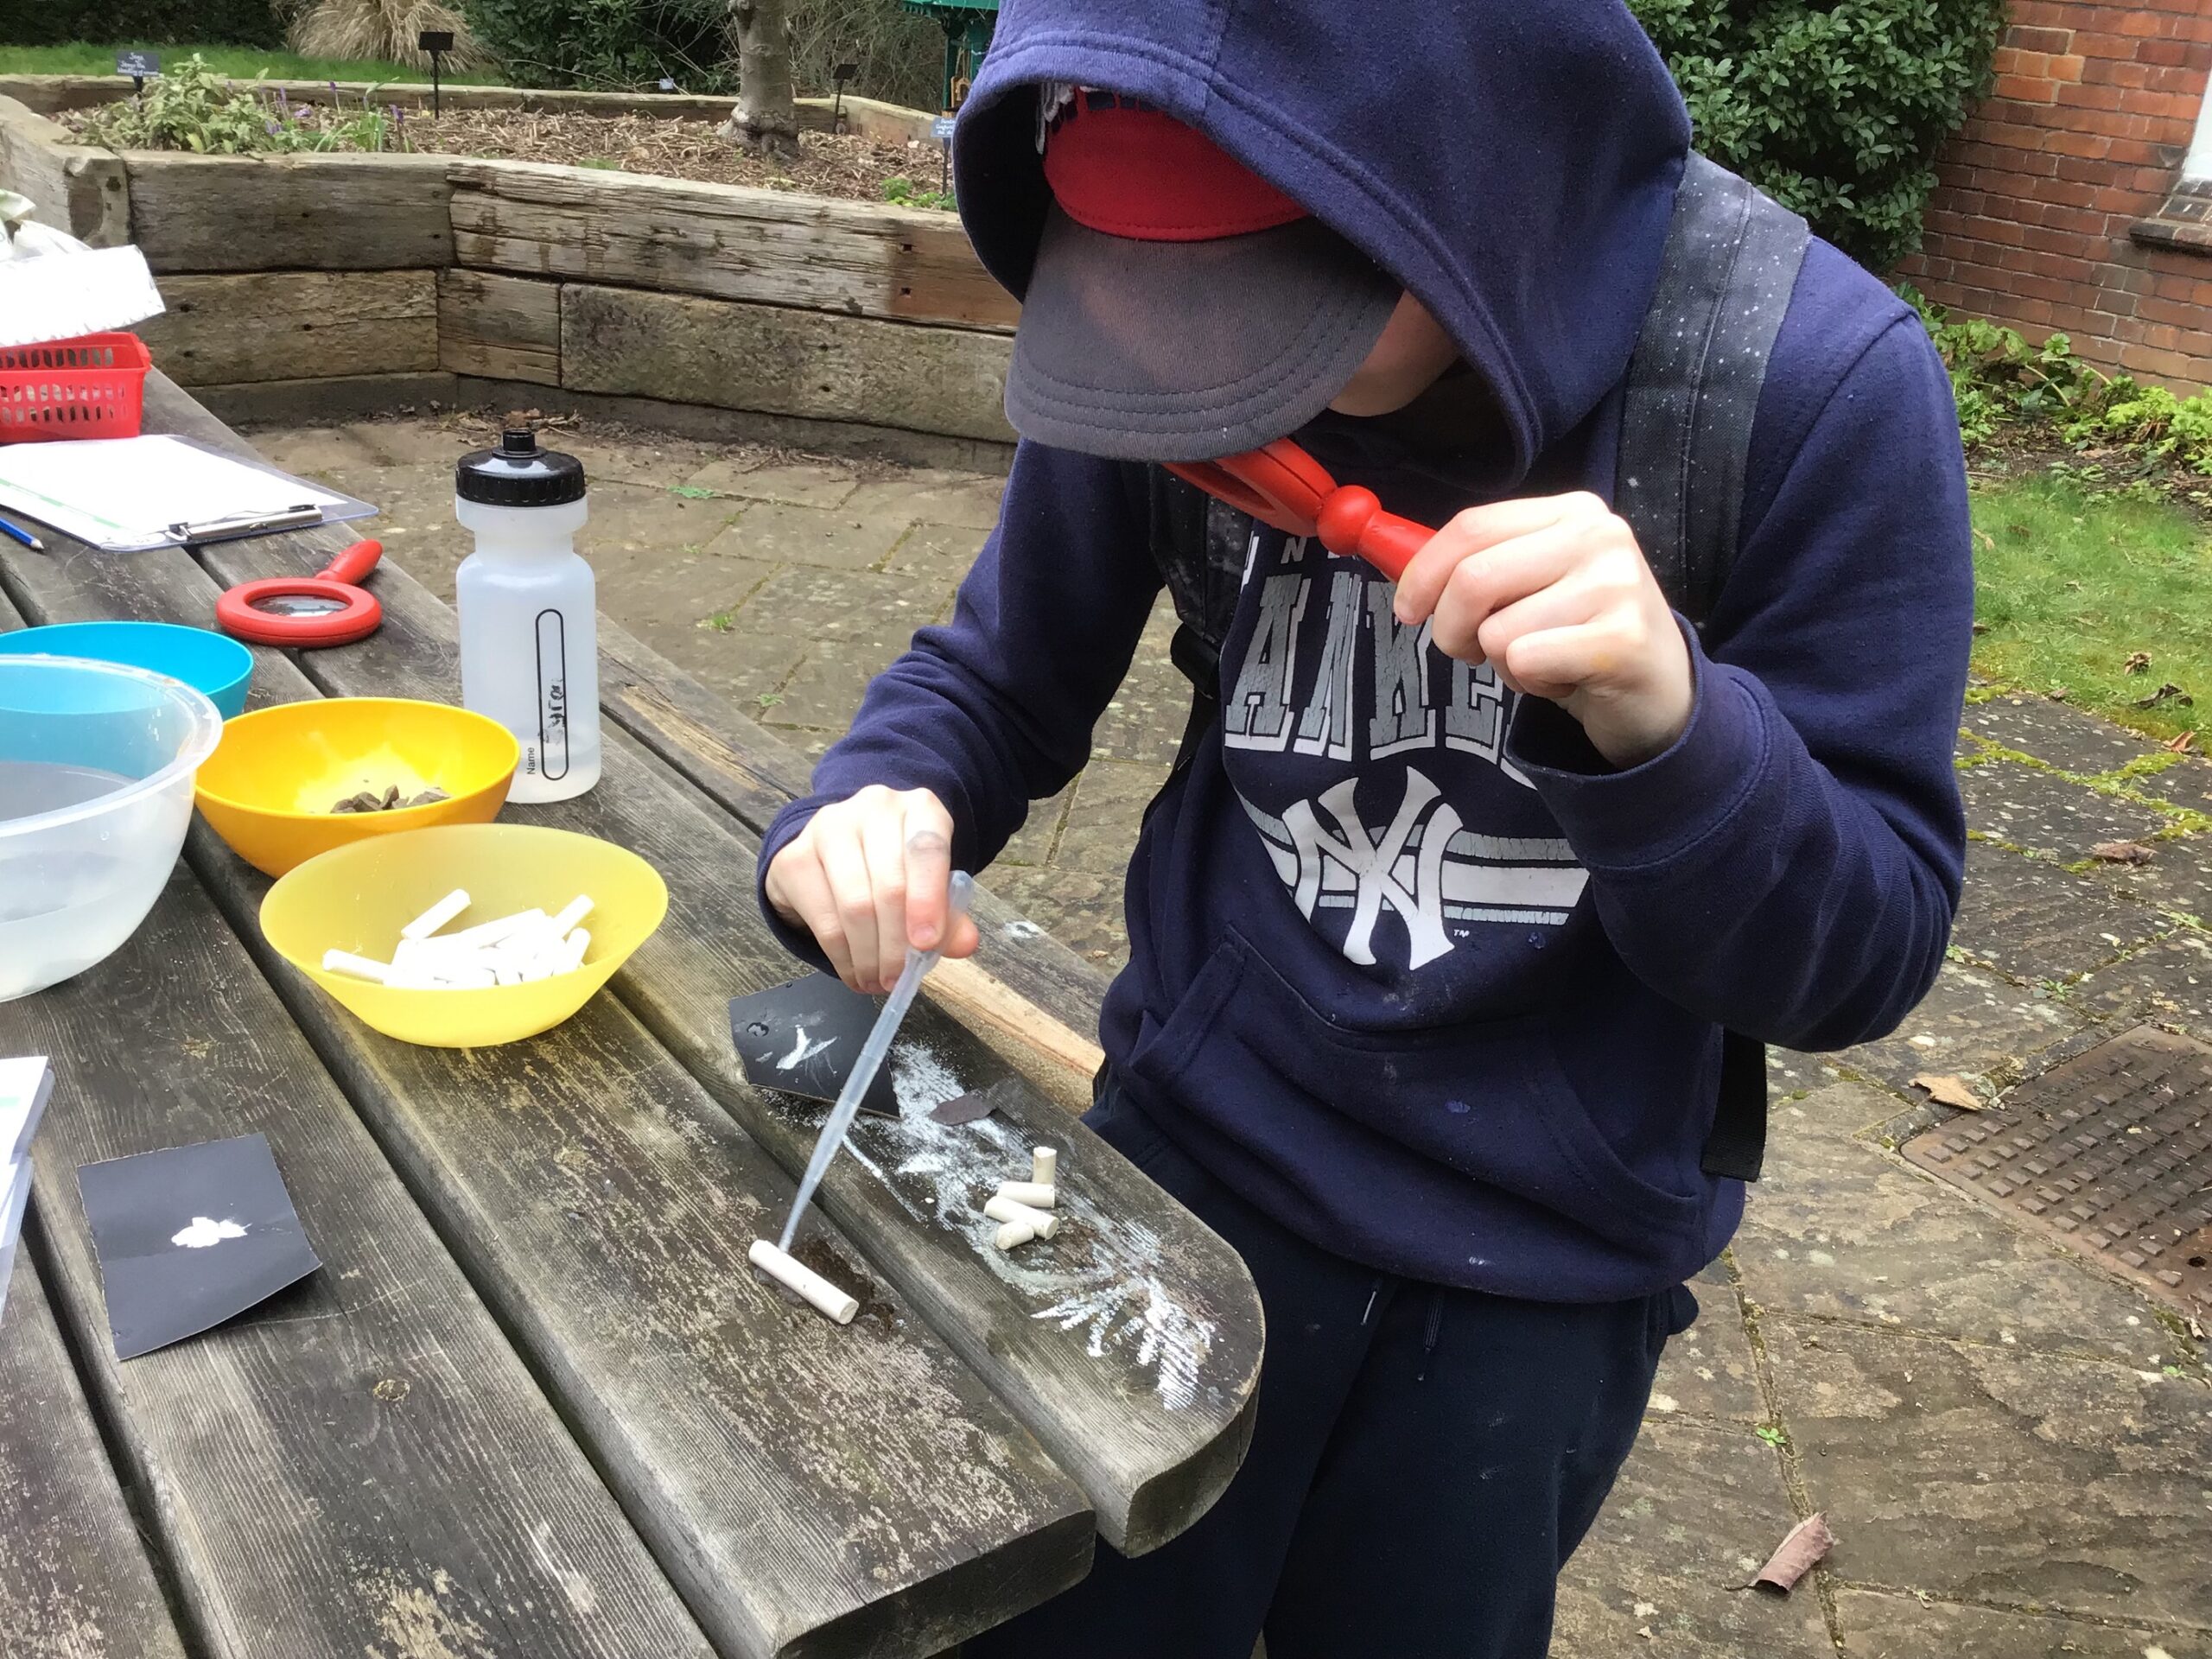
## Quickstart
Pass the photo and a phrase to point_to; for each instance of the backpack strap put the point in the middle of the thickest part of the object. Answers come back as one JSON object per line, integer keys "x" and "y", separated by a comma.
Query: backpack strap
{"x": 1731, "y": 264}
{"x": 1725, "y": 278}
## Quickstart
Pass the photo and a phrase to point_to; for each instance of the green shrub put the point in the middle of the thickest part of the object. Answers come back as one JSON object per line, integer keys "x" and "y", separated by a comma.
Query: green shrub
{"x": 190, "y": 107}
{"x": 1835, "y": 107}
{"x": 2002, "y": 381}
{"x": 207, "y": 22}
{"x": 609, "y": 44}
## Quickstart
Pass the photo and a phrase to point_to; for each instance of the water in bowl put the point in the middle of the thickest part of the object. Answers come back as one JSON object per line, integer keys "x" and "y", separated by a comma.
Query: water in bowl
{"x": 59, "y": 908}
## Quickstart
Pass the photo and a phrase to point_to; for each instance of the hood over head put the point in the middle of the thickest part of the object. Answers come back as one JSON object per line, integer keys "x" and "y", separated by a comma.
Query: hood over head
{"x": 1512, "y": 165}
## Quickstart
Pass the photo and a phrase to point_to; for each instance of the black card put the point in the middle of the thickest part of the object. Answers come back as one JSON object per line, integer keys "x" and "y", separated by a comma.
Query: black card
{"x": 189, "y": 1237}
{"x": 802, "y": 1038}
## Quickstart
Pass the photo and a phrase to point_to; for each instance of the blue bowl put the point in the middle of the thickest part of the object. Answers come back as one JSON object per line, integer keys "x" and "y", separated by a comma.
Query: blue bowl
{"x": 215, "y": 664}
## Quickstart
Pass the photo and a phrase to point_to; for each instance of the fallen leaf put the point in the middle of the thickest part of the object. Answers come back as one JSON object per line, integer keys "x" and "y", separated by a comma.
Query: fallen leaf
{"x": 2121, "y": 852}
{"x": 2136, "y": 662}
{"x": 1804, "y": 1549}
{"x": 1950, "y": 1091}
{"x": 1986, "y": 539}
{"x": 2167, "y": 693}
{"x": 2185, "y": 744}
{"x": 2060, "y": 693}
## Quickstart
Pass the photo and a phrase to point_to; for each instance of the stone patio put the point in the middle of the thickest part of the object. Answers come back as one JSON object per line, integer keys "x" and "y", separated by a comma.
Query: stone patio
{"x": 2014, "y": 1446}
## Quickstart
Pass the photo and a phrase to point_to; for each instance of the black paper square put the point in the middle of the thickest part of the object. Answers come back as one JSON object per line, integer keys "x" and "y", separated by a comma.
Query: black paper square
{"x": 190, "y": 1237}
{"x": 802, "y": 1039}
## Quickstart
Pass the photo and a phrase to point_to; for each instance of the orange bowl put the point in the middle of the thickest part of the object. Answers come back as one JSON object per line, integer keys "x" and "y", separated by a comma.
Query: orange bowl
{"x": 269, "y": 788}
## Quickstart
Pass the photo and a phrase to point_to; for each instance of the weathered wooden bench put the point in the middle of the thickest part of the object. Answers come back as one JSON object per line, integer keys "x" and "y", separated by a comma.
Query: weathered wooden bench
{"x": 536, "y": 1401}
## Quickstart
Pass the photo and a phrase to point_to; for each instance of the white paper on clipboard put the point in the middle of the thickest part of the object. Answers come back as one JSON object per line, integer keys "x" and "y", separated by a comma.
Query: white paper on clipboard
{"x": 126, "y": 495}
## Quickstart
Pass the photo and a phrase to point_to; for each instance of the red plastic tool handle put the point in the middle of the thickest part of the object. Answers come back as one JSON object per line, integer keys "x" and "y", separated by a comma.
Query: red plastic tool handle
{"x": 359, "y": 615}
{"x": 1353, "y": 522}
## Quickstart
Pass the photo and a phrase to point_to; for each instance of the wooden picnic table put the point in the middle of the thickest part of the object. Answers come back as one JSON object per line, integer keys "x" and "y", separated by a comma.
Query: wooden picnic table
{"x": 536, "y": 1404}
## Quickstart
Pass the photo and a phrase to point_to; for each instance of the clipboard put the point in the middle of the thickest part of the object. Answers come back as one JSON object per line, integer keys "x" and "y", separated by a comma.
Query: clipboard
{"x": 132, "y": 495}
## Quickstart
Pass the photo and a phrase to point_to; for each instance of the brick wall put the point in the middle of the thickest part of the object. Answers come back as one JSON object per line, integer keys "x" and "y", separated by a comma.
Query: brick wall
{"x": 2061, "y": 204}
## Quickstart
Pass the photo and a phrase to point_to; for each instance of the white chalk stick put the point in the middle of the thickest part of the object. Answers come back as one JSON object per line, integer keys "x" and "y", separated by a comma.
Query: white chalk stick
{"x": 492, "y": 932}
{"x": 1043, "y": 1222}
{"x": 1013, "y": 1233}
{"x": 436, "y": 916}
{"x": 572, "y": 952}
{"x": 401, "y": 979}
{"x": 1044, "y": 1164}
{"x": 1029, "y": 1192}
{"x": 345, "y": 962}
{"x": 803, "y": 1280}
{"x": 506, "y": 976}
{"x": 570, "y": 913}
{"x": 466, "y": 979}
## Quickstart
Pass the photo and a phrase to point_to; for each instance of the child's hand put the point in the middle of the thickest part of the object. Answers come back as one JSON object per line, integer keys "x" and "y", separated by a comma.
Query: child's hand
{"x": 1554, "y": 593}
{"x": 867, "y": 876}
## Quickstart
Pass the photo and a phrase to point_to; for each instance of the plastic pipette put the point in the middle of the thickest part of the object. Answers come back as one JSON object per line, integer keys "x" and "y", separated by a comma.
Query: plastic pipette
{"x": 918, "y": 963}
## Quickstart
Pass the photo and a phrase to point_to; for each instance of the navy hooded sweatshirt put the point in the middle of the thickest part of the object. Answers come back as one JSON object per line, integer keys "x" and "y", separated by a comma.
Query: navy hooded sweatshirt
{"x": 1412, "y": 968}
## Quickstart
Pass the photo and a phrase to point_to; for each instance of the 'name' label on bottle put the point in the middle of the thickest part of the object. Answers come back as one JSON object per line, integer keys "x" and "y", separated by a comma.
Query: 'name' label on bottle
{"x": 551, "y": 753}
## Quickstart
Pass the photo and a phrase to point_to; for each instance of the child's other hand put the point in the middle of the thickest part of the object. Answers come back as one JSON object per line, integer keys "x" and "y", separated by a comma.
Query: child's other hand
{"x": 867, "y": 876}
{"x": 1554, "y": 592}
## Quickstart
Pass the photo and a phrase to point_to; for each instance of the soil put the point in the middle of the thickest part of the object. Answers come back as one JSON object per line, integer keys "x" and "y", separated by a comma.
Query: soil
{"x": 843, "y": 165}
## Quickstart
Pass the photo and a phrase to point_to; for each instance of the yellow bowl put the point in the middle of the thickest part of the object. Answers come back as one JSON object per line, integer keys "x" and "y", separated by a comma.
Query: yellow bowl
{"x": 358, "y": 898}
{"x": 269, "y": 787}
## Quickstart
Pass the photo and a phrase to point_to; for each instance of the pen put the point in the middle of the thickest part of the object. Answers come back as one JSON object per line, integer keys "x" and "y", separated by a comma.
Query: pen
{"x": 16, "y": 533}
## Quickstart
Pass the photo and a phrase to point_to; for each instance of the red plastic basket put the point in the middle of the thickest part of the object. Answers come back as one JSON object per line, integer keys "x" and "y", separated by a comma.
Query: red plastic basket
{"x": 92, "y": 386}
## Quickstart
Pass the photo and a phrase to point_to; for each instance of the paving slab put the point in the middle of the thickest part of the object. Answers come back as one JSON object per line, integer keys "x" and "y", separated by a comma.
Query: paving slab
{"x": 936, "y": 552}
{"x": 2178, "y": 876}
{"x": 1033, "y": 843}
{"x": 2035, "y": 921}
{"x": 1080, "y": 909}
{"x": 2169, "y": 982}
{"x": 2000, "y": 1476}
{"x": 2027, "y": 806}
{"x": 845, "y": 626}
{"x": 2055, "y": 734}
{"x": 1971, "y": 1023}
{"x": 1877, "y": 1624}
{"x": 314, "y": 451}
{"x": 1838, "y": 1229}
{"x": 1110, "y": 798}
{"x": 838, "y": 539}
{"x": 798, "y": 483}
{"x": 1144, "y": 721}
{"x": 657, "y": 461}
{"x": 1708, "y": 1370}
{"x": 696, "y": 622}
{"x": 964, "y": 500}
{"x": 1695, "y": 1512}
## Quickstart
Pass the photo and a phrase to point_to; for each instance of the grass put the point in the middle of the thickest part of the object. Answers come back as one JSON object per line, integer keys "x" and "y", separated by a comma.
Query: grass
{"x": 2073, "y": 581}
{"x": 239, "y": 63}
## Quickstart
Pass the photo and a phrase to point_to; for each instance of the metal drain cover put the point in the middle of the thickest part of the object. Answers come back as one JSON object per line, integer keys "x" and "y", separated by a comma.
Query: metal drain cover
{"x": 2110, "y": 1153}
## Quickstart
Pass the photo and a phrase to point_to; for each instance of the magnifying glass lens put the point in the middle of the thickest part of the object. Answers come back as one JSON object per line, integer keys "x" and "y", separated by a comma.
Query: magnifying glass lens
{"x": 297, "y": 605}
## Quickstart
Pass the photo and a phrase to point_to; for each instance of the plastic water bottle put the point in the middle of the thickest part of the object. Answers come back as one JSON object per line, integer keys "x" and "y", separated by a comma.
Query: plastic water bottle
{"x": 529, "y": 636}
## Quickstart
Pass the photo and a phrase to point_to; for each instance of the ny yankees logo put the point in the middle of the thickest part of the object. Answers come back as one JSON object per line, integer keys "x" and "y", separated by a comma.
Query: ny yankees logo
{"x": 1372, "y": 864}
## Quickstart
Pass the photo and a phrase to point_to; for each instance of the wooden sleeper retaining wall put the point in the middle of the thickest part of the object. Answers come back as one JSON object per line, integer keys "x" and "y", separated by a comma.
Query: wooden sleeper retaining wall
{"x": 303, "y": 268}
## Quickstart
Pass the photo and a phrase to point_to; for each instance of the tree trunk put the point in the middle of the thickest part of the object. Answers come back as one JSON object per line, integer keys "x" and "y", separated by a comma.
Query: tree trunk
{"x": 766, "y": 116}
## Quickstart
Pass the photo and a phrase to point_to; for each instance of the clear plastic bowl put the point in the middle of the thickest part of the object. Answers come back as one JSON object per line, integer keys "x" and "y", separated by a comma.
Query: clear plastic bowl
{"x": 96, "y": 768}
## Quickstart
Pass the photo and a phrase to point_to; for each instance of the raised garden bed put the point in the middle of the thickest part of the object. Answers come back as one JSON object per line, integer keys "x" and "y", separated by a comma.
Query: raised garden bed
{"x": 408, "y": 277}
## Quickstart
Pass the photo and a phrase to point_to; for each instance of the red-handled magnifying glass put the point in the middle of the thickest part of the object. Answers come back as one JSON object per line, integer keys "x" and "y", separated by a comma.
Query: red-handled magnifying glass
{"x": 1281, "y": 485}
{"x": 327, "y": 608}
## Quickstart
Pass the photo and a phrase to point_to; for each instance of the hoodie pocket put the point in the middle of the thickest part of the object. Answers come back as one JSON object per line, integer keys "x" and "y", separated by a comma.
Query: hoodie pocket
{"x": 1487, "y": 1099}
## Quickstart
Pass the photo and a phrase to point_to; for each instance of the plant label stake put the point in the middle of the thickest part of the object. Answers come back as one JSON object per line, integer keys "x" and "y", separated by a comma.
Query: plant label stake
{"x": 841, "y": 72}
{"x": 138, "y": 65}
{"x": 327, "y": 608}
{"x": 941, "y": 129}
{"x": 437, "y": 42}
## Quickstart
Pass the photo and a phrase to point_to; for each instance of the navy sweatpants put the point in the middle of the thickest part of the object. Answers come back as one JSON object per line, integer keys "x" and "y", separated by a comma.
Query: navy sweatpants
{"x": 1423, "y": 1461}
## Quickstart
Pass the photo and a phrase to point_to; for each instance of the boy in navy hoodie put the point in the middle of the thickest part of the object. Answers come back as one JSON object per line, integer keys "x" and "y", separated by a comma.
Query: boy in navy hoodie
{"x": 1434, "y": 941}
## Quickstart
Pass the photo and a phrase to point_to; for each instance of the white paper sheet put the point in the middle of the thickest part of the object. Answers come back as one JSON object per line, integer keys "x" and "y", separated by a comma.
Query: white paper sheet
{"x": 18, "y": 1176}
{"x": 126, "y": 494}
{"x": 24, "y": 1085}
{"x": 61, "y": 296}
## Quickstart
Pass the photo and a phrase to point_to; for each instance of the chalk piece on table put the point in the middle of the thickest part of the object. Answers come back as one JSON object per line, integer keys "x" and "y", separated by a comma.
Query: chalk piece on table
{"x": 1013, "y": 1233}
{"x": 1044, "y": 1166}
{"x": 803, "y": 1280}
{"x": 345, "y": 962}
{"x": 1029, "y": 1192}
{"x": 436, "y": 916}
{"x": 1043, "y": 1222}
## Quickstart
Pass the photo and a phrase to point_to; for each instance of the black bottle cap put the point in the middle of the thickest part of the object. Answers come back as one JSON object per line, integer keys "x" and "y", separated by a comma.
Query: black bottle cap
{"x": 519, "y": 473}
